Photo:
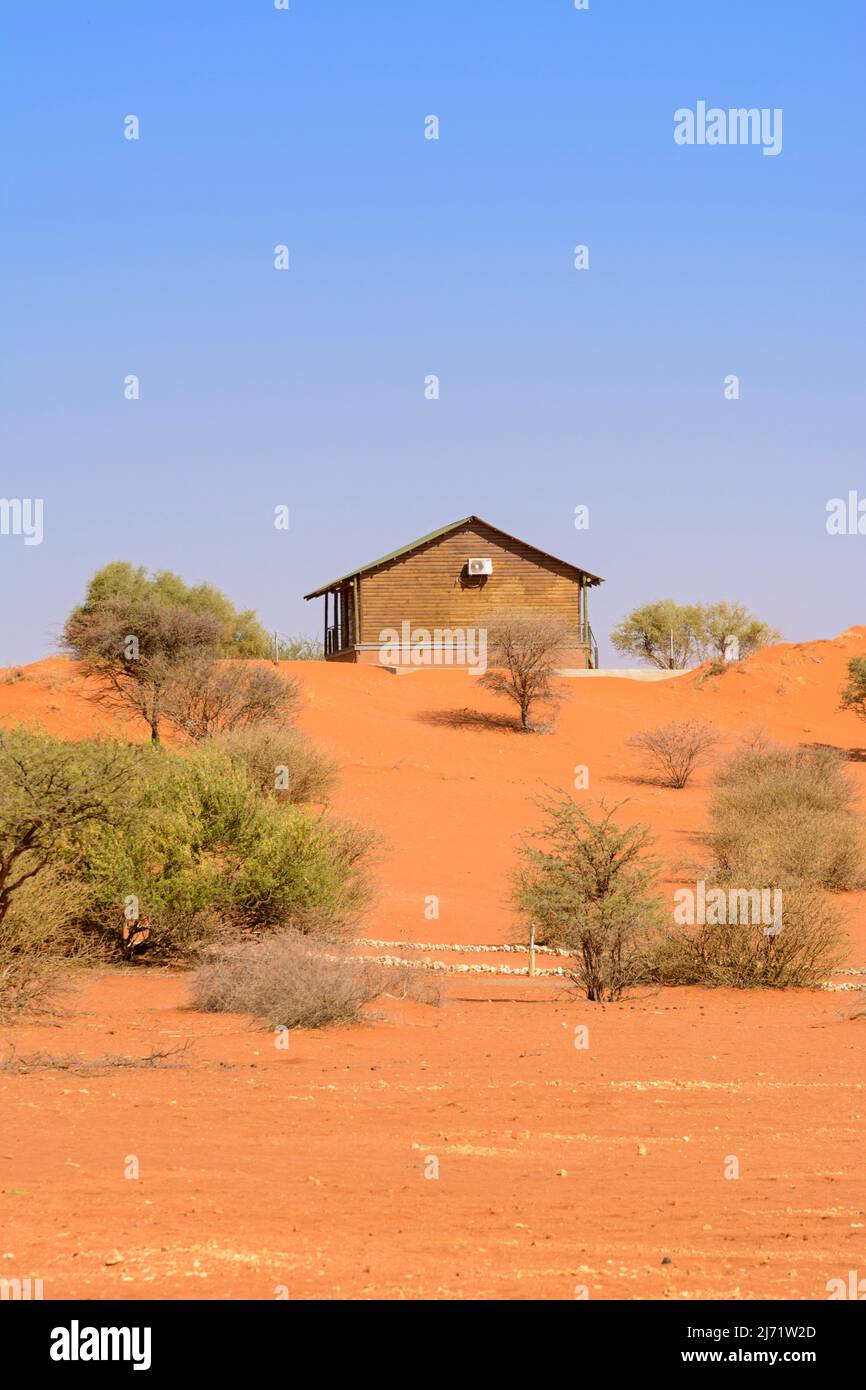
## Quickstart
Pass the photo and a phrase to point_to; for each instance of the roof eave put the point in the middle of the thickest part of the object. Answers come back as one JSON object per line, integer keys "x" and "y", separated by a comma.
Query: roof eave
{"x": 337, "y": 584}
{"x": 591, "y": 579}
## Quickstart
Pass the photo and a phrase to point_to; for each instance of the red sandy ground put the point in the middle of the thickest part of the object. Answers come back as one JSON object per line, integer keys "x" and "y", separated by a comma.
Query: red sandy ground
{"x": 559, "y": 1168}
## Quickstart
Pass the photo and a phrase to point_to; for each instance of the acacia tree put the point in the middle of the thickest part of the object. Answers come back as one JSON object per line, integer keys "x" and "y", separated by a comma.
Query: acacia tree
{"x": 522, "y": 650}
{"x": 724, "y": 621}
{"x": 665, "y": 634}
{"x": 137, "y": 650}
{"x": 853, "y": 694}
{"x": 673, "y": 636}
{"x": 241, "y": 634}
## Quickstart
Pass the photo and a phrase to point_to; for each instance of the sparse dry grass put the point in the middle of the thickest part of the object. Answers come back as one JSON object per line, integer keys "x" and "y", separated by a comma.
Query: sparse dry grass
{"x": 782, "y": 819}
{"x": 286, "y": 981}
{"x": 784, "y": 815}
{"x": 38, "y": 929}
{"x": 404, "y": 982}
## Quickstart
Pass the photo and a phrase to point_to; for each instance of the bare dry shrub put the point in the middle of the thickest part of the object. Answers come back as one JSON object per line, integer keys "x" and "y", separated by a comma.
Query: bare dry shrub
{"x": 719, "y": 667}
{"x": 282, "y": 762}
{"x": 786, "y": 815}
{"x": 414, "y": 983}
{"x": 136, "y": 649}
{"x": 204, "y": 699}
{"x": 810, "y": 943}
{"x": 285, "y": 981}
{"x": 522, "y": 656}
{"x": 781, "y": 818}
{"x": 30, "y": 985}
{"x": 755, "y": 738}
{"x": 14, "y": 1064}
{"x": 674, "y": 751}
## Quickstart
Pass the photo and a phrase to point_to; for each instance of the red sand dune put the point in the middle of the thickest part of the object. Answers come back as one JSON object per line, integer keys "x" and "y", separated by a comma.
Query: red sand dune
{"x": 558, "y": 1168}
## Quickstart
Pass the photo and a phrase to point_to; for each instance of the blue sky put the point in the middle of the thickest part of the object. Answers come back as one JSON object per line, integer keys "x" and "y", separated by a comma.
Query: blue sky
{"x": 410, "y": 257}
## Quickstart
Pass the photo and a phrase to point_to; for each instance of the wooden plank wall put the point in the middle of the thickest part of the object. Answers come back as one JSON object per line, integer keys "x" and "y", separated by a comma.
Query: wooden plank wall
{"x": 424, "y": 588}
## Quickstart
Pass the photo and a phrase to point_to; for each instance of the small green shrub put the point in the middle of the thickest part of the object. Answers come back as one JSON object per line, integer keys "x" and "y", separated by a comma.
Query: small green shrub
{"x": 302, "y": 873}
{"x": 207, "y": 851}
{"x": 592, "y": 891}
{"x": 853, "y": 693}
{"x": 301, "y": 649}
{"x": 111, "y": 852}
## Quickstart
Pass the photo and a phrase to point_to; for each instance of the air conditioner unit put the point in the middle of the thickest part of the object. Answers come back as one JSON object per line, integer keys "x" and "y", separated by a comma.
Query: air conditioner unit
{"x": 479, "y": 566}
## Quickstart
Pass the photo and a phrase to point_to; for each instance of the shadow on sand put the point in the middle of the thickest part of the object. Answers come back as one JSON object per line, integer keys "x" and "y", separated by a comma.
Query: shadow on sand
{"x": 470, "y": 719}
{"x": 853, "y": 755}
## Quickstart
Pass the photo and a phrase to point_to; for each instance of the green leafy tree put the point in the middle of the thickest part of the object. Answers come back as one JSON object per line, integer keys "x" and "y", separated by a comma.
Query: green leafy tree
{"x": 853, "y": 694}
{"x": 241, "y": 634}
{"x": 723, "y": 621}
{"x": 673, "y": 636}
{"x": 664, "y": 634}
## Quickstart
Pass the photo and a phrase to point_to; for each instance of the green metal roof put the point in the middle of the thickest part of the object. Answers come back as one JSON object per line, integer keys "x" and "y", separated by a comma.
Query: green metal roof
{"x": 434, "y": 535}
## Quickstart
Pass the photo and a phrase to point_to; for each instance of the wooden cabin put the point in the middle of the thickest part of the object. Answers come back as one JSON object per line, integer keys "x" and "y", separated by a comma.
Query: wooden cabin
{"x": 430, "y": 594}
